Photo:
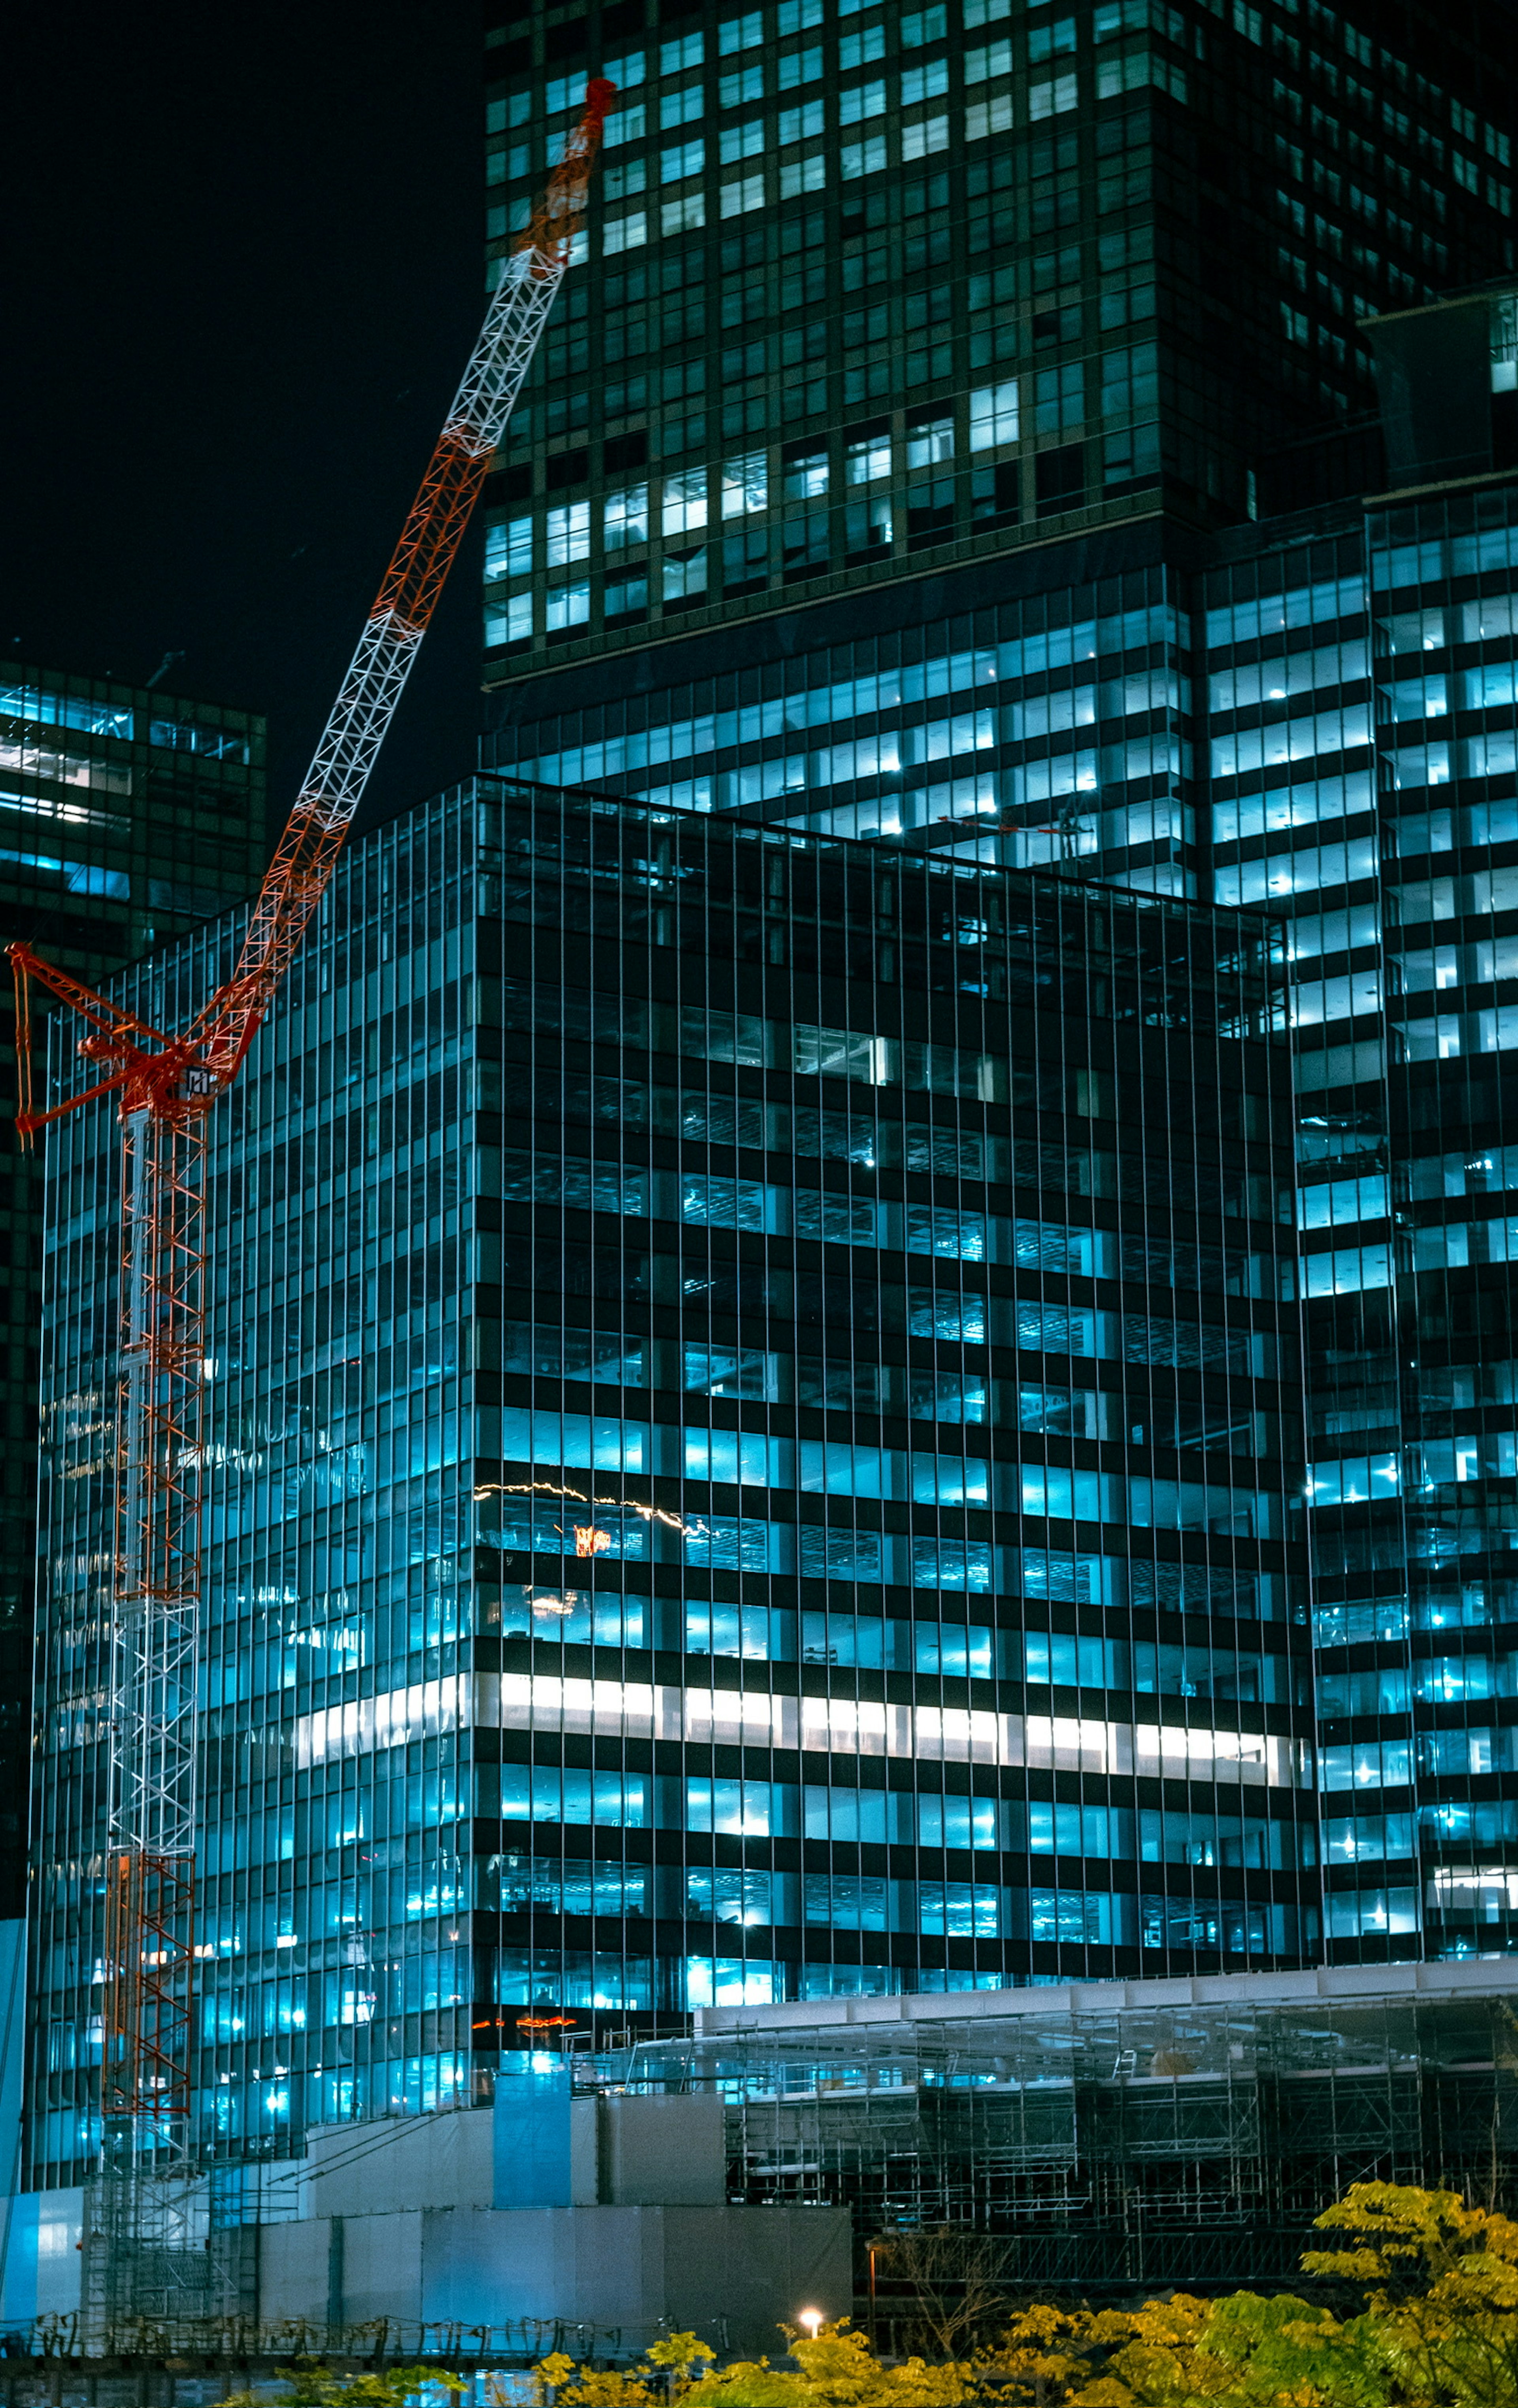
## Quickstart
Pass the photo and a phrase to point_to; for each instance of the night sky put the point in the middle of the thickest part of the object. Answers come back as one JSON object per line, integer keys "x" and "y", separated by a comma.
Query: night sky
{"x": 243, "y": 271}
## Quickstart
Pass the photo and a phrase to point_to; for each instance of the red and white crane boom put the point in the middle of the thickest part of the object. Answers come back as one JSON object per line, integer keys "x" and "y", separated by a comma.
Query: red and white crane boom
{"x": 141, "y": 2263}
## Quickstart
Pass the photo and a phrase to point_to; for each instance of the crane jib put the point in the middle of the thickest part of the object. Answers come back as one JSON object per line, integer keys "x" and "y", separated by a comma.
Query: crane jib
{"x": 144, "y": 2247}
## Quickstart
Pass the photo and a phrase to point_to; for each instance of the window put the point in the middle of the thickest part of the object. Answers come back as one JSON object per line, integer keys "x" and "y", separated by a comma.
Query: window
{"x": 864, "y": 100}
{"x": 1048, "y": 41}
{"x": 748, "y": 83}
{"x": 929, "y": 439}
{"x": 568, "y": 533}
{"x": 625, "y": 125}
{"x": 508, "y": 548}
{"x": 927, "y": 26}
{"x": 1061, "y": 402}
{"x": 929, "y": 133}
{"x": 994, "y": 416}
{"x": 745, "y": 485}
{"x": 682, "y": 159}
{"x": 674, "y": 57}
{"x": 683, "y": 108}
{"x": 963, "y": 1910}
{"x": 1081, "y": 1831}
{"x": 625, "y": 517}
{"x": 995, "y": 60}
{"x": 740, "y": 34}
{"x": 684, "y": 501}
{"x": 684, "y": 574}
{"x": 746, "y": 561}
{"x": 796, "y": 67}
{"x": 925, "y": 83}
{"x": 795, "y": 16}
{"x": 510, "y": 623}
{"x": 745, "y": 141}
{"x": 867, "y": 457}
{"x": 800, "y": 125}
{"x": 626, "y": 597}
{"x": 751, "y": 1809}
{"x": 857, "y": 49}
{"x": 868, "y": 527}
{"x": 1059, "y": 479}
{"x": 747, "y": 193}
{"x": 732, "y": 1372}
{"x": 568, "y": 606}
{"x": 1052, "y": 99}
{"x": 862, "y": 158}
{"x": 625, "y": 233}
{"x": 804, "y": 544}
{"x": 806, "y": 475}
{"x": 1130, "y": 380}
{"x": 1131, "y": 454}
{"x": 621, "y": 183}
{"x": 946, "y": 1313}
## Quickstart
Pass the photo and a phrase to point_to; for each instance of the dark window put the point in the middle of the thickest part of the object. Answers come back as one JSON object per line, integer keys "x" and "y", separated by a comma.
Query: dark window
{"x": 869, "y": 528}
{"x": 627, "y": 597}
{"x": 1059, "y": 479}
{"x": 746, "y": 561}
{"x": 995, "y": 495}
{"x": 804, "y": 544}
{"x": 511, "y": 484}
{"x": 1052, "y": 326}
{"x": 930, "y": 511}
{"x": 567, "y": 468}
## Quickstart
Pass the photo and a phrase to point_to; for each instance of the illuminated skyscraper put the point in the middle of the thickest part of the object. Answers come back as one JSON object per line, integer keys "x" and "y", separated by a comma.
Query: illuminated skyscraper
{"x": 752, "y": 1454}
{"x": 1094, "y": 328}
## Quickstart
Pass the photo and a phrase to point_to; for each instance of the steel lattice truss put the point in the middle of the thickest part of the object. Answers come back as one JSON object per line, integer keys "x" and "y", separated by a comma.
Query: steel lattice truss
{"x": 143, "y": 2257}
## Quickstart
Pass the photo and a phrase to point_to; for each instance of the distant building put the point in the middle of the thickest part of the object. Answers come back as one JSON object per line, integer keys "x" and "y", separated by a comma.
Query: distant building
{"x": 753, "y": 1456}
{"x": 127, "y": 816}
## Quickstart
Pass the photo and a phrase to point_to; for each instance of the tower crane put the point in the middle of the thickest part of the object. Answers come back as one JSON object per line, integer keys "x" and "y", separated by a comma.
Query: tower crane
{"x": 141, "y": 2260}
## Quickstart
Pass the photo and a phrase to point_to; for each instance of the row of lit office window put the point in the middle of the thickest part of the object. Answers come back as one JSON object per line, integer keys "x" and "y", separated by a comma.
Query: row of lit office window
{"x": 565, "y": 751}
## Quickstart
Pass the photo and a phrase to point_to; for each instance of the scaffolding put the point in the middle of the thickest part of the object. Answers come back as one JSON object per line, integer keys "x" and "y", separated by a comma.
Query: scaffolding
{"x": 1111, "y": 2150}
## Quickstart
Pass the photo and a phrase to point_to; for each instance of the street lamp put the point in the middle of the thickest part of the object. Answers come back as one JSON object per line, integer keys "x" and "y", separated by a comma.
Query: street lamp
{"x": 812, "y": 2319}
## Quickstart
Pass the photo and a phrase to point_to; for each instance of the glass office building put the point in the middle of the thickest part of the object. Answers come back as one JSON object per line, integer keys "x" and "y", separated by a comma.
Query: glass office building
{"x": 877, "y": 294}
{"x": 1400, "y": 867}
{"x": 981, "y": 465}
{"x": 128, "y": 816}
{"x": 755, "y": 1393}
{"x": 1275, "y": 715}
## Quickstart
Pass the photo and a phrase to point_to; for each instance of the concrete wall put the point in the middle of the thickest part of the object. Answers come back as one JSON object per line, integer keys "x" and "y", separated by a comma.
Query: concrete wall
{"x": 661, "y": 2151}
{"x": 688, "y": 2266}
{"x": 443, "y": 2160}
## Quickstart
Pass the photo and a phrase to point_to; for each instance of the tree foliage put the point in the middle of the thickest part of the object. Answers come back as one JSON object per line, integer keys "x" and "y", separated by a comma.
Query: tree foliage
{"x": 320, "y": 2387}
{"x": 1426, "y": 2317}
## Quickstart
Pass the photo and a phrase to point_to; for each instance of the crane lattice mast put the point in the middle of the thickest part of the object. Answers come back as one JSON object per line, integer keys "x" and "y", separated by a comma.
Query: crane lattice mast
{"x": 142, "y": 2266}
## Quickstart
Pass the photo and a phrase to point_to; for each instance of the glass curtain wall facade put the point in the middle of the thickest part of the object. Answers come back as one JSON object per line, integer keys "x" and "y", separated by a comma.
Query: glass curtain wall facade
{"x": 1362, "y": 759}
{"x": 754, "y": 1383}
{"x": 869, "y": 292}
{"x": 1302, "y": 705}
{"x": 128, "y": 816}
